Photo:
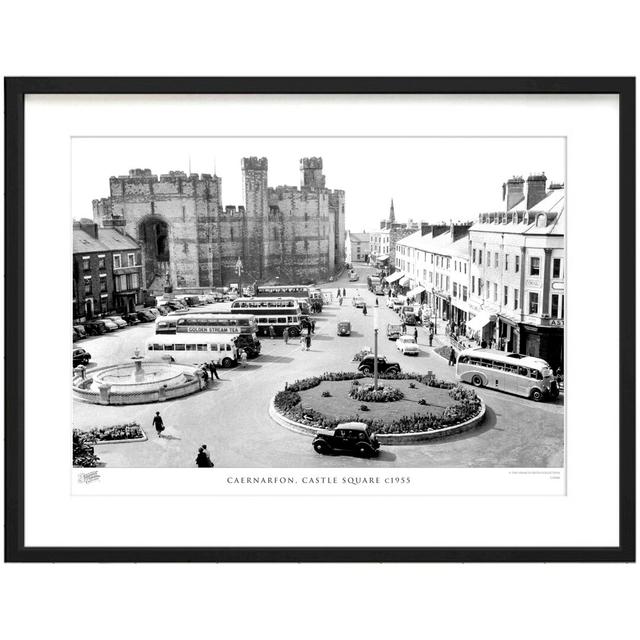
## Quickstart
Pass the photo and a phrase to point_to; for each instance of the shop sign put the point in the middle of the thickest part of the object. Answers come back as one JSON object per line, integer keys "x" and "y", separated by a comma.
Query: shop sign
{"x": 558, "y": 286}
{"x": 532, "y": 283}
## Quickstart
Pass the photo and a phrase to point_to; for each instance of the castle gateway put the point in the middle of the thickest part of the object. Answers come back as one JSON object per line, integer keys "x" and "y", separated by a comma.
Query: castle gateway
{"x": 287, "y": 233}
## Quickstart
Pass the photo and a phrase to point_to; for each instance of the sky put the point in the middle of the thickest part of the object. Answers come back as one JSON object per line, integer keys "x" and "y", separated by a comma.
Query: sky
{"x": 429, "y": 179}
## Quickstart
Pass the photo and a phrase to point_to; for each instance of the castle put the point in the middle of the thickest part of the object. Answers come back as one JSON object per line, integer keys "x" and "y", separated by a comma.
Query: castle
{"x": 287, "y": 233}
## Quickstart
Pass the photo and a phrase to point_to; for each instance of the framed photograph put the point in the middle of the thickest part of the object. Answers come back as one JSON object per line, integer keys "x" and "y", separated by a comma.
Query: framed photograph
{"x": 320, "y": 319}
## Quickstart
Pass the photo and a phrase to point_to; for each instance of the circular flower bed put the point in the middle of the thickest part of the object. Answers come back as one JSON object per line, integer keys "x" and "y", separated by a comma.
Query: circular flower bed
{"x": 446, "y": 405}
{"x": 370, "y": 394}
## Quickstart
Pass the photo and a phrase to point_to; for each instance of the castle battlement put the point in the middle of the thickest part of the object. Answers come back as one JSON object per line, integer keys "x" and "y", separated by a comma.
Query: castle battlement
{"x": 254, "y": 164}
{"x": 231, "y": 210}
{"x": 311, "y": 163}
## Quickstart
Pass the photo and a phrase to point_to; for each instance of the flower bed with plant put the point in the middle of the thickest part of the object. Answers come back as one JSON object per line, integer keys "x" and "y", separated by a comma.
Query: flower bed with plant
{"x": 429, "y": 406}
{"x": 115, "y": 433}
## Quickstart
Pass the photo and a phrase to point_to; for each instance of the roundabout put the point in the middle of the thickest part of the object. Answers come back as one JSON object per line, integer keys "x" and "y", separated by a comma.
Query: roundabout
{"x": 406, "y": 410}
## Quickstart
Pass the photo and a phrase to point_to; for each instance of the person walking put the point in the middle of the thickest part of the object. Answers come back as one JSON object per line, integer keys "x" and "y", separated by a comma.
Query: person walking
{"x": 303, "y": 340}
{"x": 452, "y": 357}
{"x": 272, "y": 332}
{"x": 344, "y": 293}
{"x": 376, "y": 301}
{"x": 214, "y": 370}
{"x": 242, "y": 357}
{"x": 308, "y": 341}
{"x": 364, "y": 310}
{"x": 415, "y": 334}
{"x": 285, "y": 335}
{"x": 203, "y": 459}
{"x": 313, "y": 327}
{"x": 340, "y": 300}
{"x": 404, "y": 327}
{"x": 158, "y": 424}
{"x": 430, "y": 336}
{"x": 338, "y": 293}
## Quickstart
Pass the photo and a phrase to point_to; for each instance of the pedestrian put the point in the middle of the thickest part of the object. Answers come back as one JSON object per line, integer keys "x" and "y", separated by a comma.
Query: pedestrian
{"x": 430, "y": 336}
{"x": 344, "y": 293}
{"x": 158, "y": 424}
{"x": 308, "y": 341}
{"x": 364, "y": 310}
{"x": 404, "y": 327}
{"x": 285, "y": 335}
{"x": 205, "y": 374}
{"x": 376, "y": 301}
{"x": 303, "y": 340}
{"x": 203, "y": 459}
{"x": 272, "y": 332}
{"x": 340, "y": 300}
{"x": 242, "y": 356}
{"x": 452, "y": 357}
{"x": 214, "y": 370}
{"x": 483, "y": 344}
{"x": 415, "y": 334}
{"x": 338, "y": 292}
{"x": 313, "y": 326}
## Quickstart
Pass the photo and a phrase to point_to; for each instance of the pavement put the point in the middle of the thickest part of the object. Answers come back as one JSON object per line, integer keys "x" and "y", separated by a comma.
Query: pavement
{"x": 231, "y": 417}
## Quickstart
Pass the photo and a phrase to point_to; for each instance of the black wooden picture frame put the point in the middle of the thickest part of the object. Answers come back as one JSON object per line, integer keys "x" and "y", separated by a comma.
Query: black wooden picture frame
{"x": 15, "y": 91}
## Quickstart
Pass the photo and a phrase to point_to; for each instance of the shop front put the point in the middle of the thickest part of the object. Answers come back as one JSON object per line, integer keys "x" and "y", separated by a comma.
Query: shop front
{"x": 545, "y": 342}
{"x": 417, "y": 294}
{"x": 482, "y": 327}
{"x": 442, "y": 304}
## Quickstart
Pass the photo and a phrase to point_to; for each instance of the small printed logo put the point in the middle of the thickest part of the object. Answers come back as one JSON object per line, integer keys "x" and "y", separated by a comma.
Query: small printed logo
{"x": 90, "y": 476}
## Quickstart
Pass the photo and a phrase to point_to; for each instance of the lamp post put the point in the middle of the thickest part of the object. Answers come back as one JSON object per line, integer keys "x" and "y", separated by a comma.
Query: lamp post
{"x": 375, "y": 348}
{"x": 239, "y": 272}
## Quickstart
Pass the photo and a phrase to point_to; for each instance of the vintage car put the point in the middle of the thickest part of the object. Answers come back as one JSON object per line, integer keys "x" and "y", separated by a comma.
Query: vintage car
{"x": 394, "y": 331}
{"x": 131, "y": 318}
{"x": 95, "y": 327}
{"x": 408, "y": 346}
{"x": 79, "y": 331}
{"x": 358, "y": 302}
{"x": 349, "y": 437}
{"x": 110, "y": 324}
{"x": 384, "y": 366}
{"x": 354, "y": 277}
{"x": 80, "y": 356}
{"x": 344, "y": 328}
{"x": 146, "y": 316}
{"x": 121, "y": 322}
{"x": 397, "y": 305}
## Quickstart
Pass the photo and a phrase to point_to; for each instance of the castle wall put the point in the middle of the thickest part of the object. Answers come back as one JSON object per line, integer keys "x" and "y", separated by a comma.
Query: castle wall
{"x": 289, "y": 233}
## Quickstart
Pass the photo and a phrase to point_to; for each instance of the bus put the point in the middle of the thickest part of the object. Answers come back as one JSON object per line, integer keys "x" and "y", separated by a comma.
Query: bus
{"x": 193, "y": 348}
{"x": 510, "y": 372}
{"x": 243, "y": 326}
{"x": 303, "y": 293}
{"x": 281, "y": 313}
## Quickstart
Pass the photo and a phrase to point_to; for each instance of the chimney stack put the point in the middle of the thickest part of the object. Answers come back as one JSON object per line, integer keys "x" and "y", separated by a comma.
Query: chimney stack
{"x": 513, "y": 191}
{"x": 536, "y": 189}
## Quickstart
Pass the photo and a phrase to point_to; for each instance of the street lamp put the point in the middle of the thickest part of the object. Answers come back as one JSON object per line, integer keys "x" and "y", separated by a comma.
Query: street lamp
{"x": 239, "y": 272}
{"x": 375, "y": 348}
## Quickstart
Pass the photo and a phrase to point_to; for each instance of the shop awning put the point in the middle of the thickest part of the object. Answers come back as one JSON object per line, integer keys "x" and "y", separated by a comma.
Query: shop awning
{"x": 416, "y": 291}
{"x": 482, "y": 319}
{"x": 404, "y": 281}
{"x": 394, "y": 276}
{"x": 382, "y": 258}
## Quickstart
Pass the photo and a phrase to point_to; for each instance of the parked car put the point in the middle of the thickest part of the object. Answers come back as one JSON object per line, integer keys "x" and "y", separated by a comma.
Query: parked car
{"x": 394, "y": 331}
{"x": 145, "y": 316}
{"x": 344, "y": 328}
{"x": 80, "y": 331}
{"x": 354, "y": 277}
{"x": 80, "y": 356}
{"x": 358, "y": 302}
{"x": 121, "y": 322}
{"x": 110, "y": 324}
{"x": 384, "y": 365}
{"x": 131, "y": 318}
{"x": 350, "y": 437}
{"x": 390, "y": 302}
{"x": 408, "y": 346}
{"x": 153, "y": 311}
{"x": 95, "y": 327}
{"x": 397, "y": 305}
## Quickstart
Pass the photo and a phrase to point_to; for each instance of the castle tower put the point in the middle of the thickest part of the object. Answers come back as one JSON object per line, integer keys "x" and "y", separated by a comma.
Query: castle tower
{"x": 311, "y": 170}
{"x": 256, "y": 199}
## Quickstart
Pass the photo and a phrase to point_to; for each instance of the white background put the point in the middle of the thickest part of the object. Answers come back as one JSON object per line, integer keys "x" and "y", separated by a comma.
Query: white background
{"x": 331, "y": 39}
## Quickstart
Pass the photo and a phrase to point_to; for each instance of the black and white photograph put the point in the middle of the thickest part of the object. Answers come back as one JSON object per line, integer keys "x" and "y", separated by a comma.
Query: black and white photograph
{"x": 318, "y": 302}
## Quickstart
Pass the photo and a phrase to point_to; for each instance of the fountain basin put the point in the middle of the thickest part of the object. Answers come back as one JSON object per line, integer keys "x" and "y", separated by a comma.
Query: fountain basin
{"x": 128, "y": 383}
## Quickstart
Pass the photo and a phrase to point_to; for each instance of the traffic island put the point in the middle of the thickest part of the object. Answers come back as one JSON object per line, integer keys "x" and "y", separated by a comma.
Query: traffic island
{"x": 407, "y": 409}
